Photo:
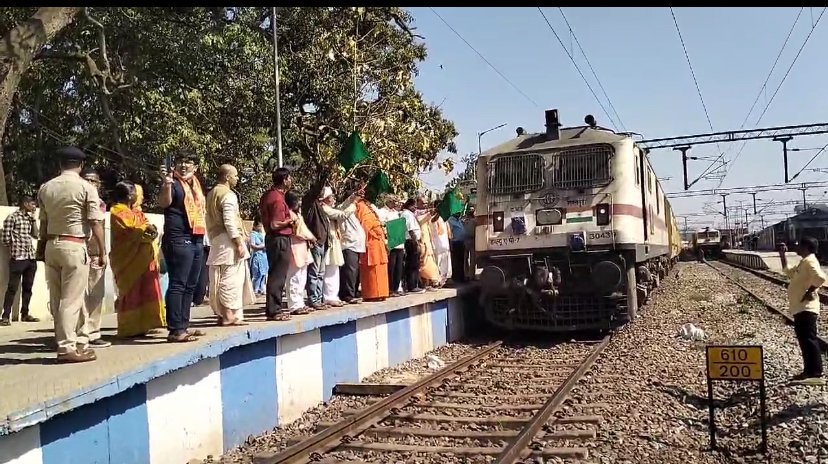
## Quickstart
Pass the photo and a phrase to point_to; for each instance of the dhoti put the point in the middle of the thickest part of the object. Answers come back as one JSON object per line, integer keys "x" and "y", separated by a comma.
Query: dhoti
{"x": 230, "y": 290}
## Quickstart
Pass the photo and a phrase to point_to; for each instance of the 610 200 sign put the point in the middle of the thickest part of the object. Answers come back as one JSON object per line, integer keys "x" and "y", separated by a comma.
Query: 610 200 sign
{"x": 735, "y": 363}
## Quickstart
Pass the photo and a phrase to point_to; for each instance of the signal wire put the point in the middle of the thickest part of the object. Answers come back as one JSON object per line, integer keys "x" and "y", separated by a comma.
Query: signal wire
{"x": 503, "y": 76}
{"x": 578, "y": 68}
{"x": 799, "y": 52}
{"x": 594, "y": 74}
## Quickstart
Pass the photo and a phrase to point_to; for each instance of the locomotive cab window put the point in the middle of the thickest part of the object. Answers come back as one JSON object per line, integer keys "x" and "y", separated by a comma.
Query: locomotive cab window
{"x": 635, "y": 170}
{"x": 658, "y": 200}
{"x": 649, "y": 180}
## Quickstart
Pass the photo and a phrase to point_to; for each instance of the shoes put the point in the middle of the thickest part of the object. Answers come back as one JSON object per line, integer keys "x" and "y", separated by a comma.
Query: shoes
{"x": 5, "y": 322}
{"x": 77, "y": 356}
{"x": 99, "y": 343}
{"x": 28, "y": 318}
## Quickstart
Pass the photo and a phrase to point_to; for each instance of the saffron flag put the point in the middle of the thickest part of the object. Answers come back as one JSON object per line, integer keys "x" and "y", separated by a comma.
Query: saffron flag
{"x": 353, "y": 152}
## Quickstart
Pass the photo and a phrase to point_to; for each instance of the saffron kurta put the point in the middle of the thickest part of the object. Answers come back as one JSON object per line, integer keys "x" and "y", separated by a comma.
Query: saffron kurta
{"x": 373, "y": 264}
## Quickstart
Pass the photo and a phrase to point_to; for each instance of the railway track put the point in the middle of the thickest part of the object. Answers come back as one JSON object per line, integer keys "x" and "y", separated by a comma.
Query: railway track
{"x": 489, "y": 405}
{"x": 773, "y": 277}
{"x": 770, "y": 277}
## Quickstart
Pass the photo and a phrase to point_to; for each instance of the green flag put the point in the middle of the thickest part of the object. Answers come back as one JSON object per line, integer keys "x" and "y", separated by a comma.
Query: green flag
{"x": 378, "y": 185}
{"x": 353, "y": 152}
{"x": 450, "y": 205}
{"x": 397, "y": 232}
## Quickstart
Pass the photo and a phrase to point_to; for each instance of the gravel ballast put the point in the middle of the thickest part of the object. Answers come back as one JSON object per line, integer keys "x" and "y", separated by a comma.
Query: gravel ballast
{"x": 652, "y": 383}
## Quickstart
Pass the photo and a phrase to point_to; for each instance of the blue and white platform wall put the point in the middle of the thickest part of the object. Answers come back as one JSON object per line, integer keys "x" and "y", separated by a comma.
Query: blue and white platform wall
{"x": 212, "y": 406}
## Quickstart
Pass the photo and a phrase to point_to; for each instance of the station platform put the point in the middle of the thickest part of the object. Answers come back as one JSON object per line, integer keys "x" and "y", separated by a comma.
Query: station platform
{"x": 149, "y": 401}
{"x": 764, "y": 260}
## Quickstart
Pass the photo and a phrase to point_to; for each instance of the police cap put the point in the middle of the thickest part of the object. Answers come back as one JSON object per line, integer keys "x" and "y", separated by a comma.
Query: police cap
{"x": 71, "y": 154}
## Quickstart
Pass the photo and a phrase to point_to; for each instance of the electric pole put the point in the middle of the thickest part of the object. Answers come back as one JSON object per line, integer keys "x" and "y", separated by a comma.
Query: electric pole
{"x": 784, "y": 139}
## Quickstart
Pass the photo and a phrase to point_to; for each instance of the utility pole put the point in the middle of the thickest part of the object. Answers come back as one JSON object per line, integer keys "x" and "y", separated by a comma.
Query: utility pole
{"x": 276, "y": 74}
{"x": 784, "y": 139}
{"x": 804, "y": 203}
{"x": 683, "y": 151}
{"x": 724, "y": 213}
{"x": 754, "y": 202}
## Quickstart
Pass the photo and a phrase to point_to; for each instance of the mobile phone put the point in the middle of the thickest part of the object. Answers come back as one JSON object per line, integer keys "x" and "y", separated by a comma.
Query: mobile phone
{"x": 168, "y": 161}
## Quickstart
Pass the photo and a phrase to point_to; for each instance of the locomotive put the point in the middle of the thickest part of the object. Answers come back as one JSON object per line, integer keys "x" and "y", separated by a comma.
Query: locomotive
{"x": 573, "y": 230}
{"x": 709, "y": 241}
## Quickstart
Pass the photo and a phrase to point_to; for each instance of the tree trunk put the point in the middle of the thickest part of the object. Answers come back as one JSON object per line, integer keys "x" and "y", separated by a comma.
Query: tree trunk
{"x": 18, "y": 48}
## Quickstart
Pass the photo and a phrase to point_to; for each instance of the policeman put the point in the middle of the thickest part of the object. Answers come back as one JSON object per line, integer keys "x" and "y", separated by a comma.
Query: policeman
{"x": 69, "y": 211}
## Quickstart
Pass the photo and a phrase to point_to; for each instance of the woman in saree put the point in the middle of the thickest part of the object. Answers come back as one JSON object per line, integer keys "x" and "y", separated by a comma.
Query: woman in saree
{"x": 135, "y": 265}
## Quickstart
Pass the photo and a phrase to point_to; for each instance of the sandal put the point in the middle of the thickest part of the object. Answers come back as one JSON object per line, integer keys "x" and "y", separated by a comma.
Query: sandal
{"x": 301, "y": 312}
{"x": 231, "y": 324}
{"x": 280, "y": 317}
{"x": 197, "y": 333}
{"x": 181, "y": 338}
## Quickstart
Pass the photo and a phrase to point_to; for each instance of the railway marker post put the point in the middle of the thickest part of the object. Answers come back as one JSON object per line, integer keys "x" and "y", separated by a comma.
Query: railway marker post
{"x": 736, "y": 363}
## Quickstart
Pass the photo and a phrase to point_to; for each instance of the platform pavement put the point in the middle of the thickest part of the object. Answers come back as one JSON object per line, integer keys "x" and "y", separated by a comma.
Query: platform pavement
{"x": 772, "y": 261}
{"x": 35, "y": 387}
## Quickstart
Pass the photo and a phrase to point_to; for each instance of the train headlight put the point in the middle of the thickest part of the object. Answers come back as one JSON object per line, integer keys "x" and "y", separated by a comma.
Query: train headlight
{"x": 602, "y": 214}
{"x": 548, "y": 217}
{"x": 577, "y": 242}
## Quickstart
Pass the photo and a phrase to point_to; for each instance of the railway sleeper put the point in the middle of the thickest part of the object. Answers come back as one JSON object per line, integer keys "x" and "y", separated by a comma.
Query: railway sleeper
{"x": 462, "y": 450}
{"x": 493, "y": 435}
{"x": 499, "y": 407}
{"x": 505, "y": 421}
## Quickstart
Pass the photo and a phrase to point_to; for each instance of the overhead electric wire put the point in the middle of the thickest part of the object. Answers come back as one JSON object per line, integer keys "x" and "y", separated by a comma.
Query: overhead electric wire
{"x": 578, "y": 68}
{"x": 810, "y": 161}
{"x": 779, "y": 86}
{"x": 594, "y": 74}
{"x": 509, "y": 81}
{"x": 698, "y": 91}
{"x": 758, "y": 95}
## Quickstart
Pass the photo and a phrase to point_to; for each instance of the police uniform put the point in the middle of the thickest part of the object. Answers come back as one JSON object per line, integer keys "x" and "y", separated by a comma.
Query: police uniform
{"x": 68, "y": 206}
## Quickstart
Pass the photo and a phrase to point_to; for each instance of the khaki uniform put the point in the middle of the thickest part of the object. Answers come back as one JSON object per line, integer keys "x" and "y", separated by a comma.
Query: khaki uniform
{"x": 67, "y": 205}
{"x": 94, "y": 290}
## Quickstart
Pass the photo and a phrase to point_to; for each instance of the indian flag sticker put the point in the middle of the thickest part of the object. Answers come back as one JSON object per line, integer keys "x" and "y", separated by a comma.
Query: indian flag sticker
{"x": 578, "y": 217}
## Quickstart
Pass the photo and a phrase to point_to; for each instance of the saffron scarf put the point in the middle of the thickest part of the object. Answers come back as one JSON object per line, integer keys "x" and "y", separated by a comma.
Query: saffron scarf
{"x": 194, "y": 204}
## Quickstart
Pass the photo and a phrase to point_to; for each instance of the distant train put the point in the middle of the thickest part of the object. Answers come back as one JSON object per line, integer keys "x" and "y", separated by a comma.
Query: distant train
{"x": 709, "y": 241}
{"x": 573, "y": 229}
{"x": 813, "y": 222}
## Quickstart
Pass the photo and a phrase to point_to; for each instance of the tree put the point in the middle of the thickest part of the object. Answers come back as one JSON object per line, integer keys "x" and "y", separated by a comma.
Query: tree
{"x": 131, "y": 85}
{"x": 17, "y": 50}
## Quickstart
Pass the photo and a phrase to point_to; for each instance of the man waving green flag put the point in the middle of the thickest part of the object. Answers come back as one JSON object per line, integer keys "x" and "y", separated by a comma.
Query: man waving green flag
{"x": 353, "y": 152}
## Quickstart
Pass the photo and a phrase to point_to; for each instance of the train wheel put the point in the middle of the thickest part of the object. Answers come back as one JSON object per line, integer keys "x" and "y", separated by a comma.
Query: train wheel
{"x": 632, "y": 290}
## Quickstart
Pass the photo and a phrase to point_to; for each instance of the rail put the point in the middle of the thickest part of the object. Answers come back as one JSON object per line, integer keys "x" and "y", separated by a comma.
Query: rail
{"x": 331, "y": 437}
{"x": 773, "y": 308}
{"x": 519, "y": 445}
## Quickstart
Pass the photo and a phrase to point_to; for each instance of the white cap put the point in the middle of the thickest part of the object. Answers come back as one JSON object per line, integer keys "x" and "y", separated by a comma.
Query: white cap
{"x": 326, "y": 192}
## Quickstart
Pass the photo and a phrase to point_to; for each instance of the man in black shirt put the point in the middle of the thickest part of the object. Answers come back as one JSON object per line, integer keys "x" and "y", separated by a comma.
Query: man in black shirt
{"x": 182, "y": 198}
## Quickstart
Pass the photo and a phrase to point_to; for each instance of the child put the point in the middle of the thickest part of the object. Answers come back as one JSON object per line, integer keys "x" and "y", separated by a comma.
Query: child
{"x": 297, "y": 275}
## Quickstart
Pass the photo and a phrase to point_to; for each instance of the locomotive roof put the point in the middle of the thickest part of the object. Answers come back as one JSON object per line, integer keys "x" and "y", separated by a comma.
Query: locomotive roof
{"x": 581, "y": 135}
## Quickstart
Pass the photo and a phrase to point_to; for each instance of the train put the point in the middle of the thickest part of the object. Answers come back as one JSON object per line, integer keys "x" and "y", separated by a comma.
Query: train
{"x": 810, "y": 222}
{"x": 709, "y": 241}
{"x": 573, "y": 230}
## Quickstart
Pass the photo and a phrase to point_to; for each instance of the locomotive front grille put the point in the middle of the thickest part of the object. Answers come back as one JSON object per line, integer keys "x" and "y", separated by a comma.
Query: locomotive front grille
{"x": 564, "y": 313}
{"x": 581, "y": 167}
{"x": 513, "y": 174}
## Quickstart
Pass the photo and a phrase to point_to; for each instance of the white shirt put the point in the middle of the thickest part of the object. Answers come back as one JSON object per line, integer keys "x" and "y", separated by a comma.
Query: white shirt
{"x": 411, "y": 224}
{"x": 353, "y": 235}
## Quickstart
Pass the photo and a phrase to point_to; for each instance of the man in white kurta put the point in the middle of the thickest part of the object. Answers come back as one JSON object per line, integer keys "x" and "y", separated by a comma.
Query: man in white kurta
{"x": 230, "y": 287}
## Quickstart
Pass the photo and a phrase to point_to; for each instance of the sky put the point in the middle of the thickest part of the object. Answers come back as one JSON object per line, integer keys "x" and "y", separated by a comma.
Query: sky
{"x": 638, "y": 57}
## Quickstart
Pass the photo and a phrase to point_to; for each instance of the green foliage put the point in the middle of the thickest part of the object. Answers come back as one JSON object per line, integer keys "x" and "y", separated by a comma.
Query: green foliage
{"x": 173, "y": 77}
